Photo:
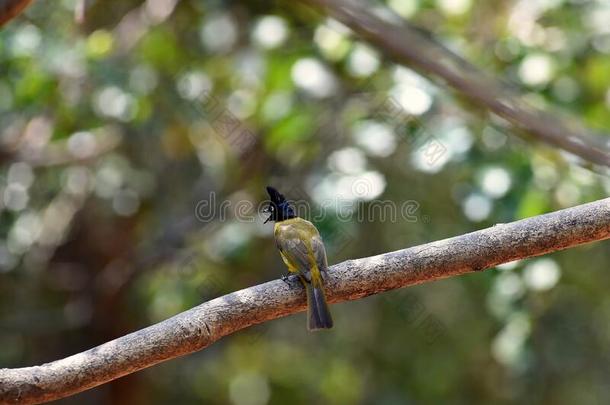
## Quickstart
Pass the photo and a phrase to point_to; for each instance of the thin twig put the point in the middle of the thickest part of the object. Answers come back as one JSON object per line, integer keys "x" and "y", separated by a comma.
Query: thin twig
{"x": 203, "y": 325}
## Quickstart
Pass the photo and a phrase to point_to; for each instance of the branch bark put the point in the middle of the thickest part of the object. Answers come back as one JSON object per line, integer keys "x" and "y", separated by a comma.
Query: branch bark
{"x": 410, "y": 46}
{"x": 201, "y": 326}
{"x": 10, "y": 9}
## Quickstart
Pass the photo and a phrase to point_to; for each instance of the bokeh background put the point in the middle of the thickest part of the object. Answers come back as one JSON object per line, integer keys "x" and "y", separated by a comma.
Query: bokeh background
{"x": 137, "y": 138}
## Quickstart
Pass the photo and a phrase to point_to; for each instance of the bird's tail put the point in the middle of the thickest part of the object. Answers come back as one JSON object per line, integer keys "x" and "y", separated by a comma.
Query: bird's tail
{"x": 318, "y": 315}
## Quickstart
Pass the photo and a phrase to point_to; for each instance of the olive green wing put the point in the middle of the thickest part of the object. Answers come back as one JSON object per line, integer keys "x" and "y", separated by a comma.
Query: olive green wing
{"x": 319, "y": 252}
{"x": 295, "y": 253}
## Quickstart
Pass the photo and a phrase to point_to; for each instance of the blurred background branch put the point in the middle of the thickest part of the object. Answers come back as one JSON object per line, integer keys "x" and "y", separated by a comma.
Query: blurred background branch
{"x": 201, "y": 326}
{"x": 9, "y": 9}
{"x": 416, "y": 48}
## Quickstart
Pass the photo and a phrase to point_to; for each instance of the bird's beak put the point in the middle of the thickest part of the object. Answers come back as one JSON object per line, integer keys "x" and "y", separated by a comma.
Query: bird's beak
{"x": 266, "y": 210}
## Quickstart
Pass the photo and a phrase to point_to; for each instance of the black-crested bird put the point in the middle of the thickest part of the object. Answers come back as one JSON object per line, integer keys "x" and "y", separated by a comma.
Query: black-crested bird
{"x": 302, "y": 249}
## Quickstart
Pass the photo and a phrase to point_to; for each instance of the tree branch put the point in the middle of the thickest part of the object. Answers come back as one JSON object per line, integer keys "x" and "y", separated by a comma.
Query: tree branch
{"x": 201, "y": 326}
{"x": 409, "y": 46}
{"x": 10, "y": 9}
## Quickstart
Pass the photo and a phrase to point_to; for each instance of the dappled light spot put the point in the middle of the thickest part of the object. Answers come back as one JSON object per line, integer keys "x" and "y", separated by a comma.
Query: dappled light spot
{"x": 376, "y": 138}
{"x": 413, "y": 99}
{"x": 332, "y": 38}
{"x": 250, "y": 66}
{"x": 115, "y": 103}
{"x": 77, "y": 180}
{"x": 143, "y": 79}
{"x": 194, "y": 85}
{"x": 508, "y": 346}
{"x": 347, "y": 160}
{"x": 15, "y": 197}
{"x": 457, "y": 138}
{"x": 219, "y": 33}
{"x": 508, "y": 285}
{"x": 20, "y": 173}
{"x": 228, "y": 239}
{"x": 242, "y": 103}
{"x": 56, "y": 219}
{"x": 312, "y": 76}
{"x": 270, "y": 31}
{"x": 108, "y": 180}
{"x": 477, "y": 207}
{"x": 25, "y": 232}
{"x": 26, "y": 41}
{"x": 495, "y": 181}
{"x": 567, "y": 194}
{"x": 541, "y": 274}
{"x": 366, "y": 186}
{"x": 412, "y": 91}
{"x": 338, "y": 191}
{"x": 99, "y": 43}
{"x": 536, "y": 69}
{"x": 82, "y": 144}
{"x": 454, "y": 7}
{"x": 363, "y": 61}
{"x": 277, "y": 105}
{"x": 597, "y": 17}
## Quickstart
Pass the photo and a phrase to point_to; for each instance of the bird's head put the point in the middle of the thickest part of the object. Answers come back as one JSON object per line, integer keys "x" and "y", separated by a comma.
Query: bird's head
{"x": 278, "y": 208}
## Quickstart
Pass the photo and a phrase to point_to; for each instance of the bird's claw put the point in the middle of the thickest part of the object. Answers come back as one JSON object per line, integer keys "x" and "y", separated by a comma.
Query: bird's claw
{"x": 289, "y": 278}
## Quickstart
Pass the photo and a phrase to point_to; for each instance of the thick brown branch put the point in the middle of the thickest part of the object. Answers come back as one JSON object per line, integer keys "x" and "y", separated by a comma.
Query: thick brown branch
{"x": 409, "y": 46}
{"x": 10, "y": 9}
{"x": 201, "y": 326}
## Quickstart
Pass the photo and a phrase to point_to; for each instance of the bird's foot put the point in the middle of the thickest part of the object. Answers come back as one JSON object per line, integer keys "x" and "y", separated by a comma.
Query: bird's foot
{"x": 289, "y": 278}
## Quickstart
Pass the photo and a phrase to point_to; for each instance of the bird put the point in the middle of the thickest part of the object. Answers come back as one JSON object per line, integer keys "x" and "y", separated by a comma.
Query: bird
{"x": 302, "y": 250}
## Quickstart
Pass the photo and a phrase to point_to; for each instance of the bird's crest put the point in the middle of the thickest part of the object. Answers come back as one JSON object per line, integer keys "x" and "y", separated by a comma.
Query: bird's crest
{"x": 279, "y": 208}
